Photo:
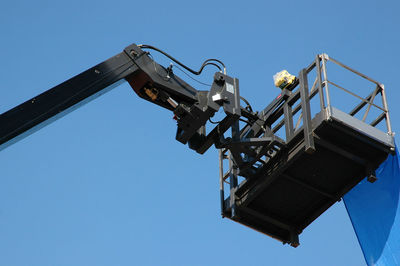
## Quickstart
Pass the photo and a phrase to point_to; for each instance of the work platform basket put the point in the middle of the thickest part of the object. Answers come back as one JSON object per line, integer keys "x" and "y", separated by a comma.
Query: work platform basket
{"x": 313, "y": 154}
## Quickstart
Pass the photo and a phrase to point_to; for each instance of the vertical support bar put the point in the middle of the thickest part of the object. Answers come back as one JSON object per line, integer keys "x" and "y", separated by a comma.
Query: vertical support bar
{"x": 385, "y": 106}
{"x": 288, "y": 116}
{"x": 234, "y": 170}
{"x": 328, "y": 97}
{"x": 306, "y": 110}
{"x": 221, "y": 181}
{"x": 319, "y": 83}
{"x": 233, "y": 184}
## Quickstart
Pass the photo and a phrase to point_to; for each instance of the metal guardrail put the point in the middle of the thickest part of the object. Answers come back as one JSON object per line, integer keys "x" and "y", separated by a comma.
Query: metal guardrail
{"x": 299, "y": 101}
{"x": 321, "y": 87}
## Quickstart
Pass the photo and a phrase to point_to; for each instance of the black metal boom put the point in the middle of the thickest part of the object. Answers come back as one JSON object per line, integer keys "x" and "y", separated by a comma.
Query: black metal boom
{"x": 149, "y": 80}
{"x": 58, "y": 101}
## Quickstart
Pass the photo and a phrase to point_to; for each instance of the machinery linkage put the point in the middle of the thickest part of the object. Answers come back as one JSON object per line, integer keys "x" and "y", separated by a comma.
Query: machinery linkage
{"x": 288, "y": 181}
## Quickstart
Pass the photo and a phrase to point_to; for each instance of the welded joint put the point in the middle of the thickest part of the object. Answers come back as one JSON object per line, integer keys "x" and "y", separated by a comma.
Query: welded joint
{"x": 324, "y": 56}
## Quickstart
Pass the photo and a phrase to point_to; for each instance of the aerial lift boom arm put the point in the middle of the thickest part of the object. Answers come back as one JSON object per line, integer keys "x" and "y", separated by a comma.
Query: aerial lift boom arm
{"x": 288, "y": 179}
{"x": 149, "y": 80}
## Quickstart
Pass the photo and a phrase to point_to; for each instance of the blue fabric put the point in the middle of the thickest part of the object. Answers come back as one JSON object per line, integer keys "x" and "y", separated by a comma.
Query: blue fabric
{"x": 375, "y": 214}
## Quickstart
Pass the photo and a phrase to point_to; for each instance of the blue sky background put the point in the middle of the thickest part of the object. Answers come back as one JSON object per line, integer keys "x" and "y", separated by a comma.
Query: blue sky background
{"x": 108, "y": 184}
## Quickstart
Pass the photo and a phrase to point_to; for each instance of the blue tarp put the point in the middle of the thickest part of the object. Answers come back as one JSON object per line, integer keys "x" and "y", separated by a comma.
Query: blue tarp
{"x": 375, "y": 214}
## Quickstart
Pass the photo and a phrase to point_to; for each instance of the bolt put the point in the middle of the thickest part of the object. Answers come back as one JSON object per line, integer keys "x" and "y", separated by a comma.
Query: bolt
{"x": 133, "y": 53}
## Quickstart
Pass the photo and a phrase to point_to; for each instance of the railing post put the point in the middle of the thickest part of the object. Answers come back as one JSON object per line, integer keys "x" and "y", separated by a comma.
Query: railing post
{"x": 319, "y": 83}
{"x": 325, "y": 57}
{"x": 221, "y": 181}
{"x": 234, "y": 170}
{"x": 385, "y": 106}
{"x": 306, "y": 110}
{"x": 288, "y": 117}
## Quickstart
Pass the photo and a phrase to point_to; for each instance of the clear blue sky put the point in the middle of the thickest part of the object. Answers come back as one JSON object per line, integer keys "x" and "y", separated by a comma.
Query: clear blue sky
{"x": 108, "y": 184}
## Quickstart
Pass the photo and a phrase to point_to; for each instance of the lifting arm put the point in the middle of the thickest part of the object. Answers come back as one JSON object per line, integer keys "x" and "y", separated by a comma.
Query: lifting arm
{"x": 288, "y": 180}
{"x": 151, "y": 81}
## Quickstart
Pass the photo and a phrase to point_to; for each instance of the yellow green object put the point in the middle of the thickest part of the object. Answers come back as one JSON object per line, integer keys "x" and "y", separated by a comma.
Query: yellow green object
{"x": 283, "y": 79}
